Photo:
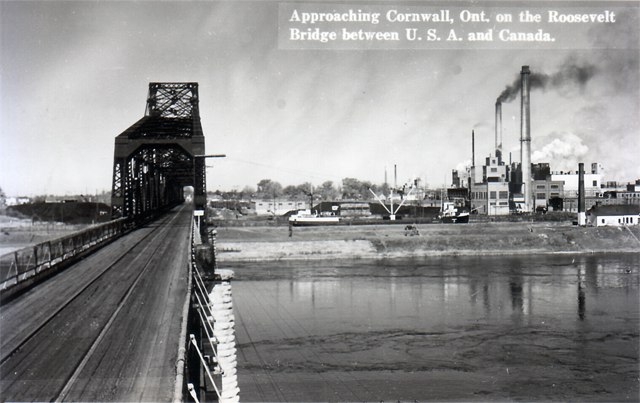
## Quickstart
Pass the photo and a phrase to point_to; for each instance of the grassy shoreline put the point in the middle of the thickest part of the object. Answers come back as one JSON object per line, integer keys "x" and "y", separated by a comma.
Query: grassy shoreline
{"x": 258, "y": 243}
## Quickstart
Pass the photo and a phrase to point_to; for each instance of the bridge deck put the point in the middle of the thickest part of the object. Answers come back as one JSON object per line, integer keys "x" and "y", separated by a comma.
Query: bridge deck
{"x": 106, "y": 328}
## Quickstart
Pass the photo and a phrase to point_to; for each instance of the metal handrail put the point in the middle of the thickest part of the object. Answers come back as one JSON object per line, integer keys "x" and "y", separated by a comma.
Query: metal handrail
{"x": 192, "y": 338}
{"x": 24, "y": 263}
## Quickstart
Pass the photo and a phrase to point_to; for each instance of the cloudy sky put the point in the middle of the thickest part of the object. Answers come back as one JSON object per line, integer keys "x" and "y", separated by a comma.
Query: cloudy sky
{"x": 75, "y": 74}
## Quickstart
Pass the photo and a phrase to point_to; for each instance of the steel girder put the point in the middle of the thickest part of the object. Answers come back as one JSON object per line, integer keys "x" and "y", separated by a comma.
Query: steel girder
{"x": 160, "y": 154}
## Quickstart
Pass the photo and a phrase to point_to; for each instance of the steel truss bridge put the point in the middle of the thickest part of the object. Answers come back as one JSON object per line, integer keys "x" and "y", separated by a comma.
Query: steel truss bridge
{"x": 122, "y": 311}
{"x": 160, "y": 154}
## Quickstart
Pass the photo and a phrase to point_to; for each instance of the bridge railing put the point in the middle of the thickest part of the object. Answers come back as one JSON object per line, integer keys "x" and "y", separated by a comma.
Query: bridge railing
{"x": 26, "y": 263}
{"x": 210, "y": 352}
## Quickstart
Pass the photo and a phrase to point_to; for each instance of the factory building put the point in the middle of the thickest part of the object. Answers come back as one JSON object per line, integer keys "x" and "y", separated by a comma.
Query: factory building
{"x": 592, "y": 181}
{"x": 490, "y": 195}
{"x": 617, "y": 194}
{"x": 632, "y": 194}
{"x": 592, "y": 186}
{"x": 546, "y": 192}
{"x": 496, "y": 188}
{"x": 490, "y": 198}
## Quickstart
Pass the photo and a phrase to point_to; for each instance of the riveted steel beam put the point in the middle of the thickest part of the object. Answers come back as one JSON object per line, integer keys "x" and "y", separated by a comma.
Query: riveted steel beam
{"x": 156, "y": 157}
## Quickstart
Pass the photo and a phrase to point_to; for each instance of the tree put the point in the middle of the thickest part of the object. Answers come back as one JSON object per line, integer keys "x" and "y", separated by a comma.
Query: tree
{"x": 352, "y": 189}
{"x": 327, "y": 191}
{"x": 291, "y": 191}
{"x": 248, "y": 193}
{"x": 305, "y": 189}
{"x": 269, "y": 189}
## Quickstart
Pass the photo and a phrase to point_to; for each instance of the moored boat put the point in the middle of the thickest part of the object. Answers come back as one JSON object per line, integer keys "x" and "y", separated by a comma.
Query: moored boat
{"x": 450, "y": 214}
{"x": 308, "y": 218}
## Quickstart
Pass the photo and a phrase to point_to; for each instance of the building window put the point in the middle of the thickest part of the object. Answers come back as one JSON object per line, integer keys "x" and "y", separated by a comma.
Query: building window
{"x": 603, "y": 220}
{"x": 503, "y": 194}
{"x": 492, "y": 194}
{"x": 540, "y": 187}
{"x": 494, "y": 169}
{"x": 595, "y": 183}
{"x": 541, "y": 196}
{"x": 554, "y": 186}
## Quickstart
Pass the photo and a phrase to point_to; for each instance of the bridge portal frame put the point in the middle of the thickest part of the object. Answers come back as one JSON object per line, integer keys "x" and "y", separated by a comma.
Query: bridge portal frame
{"x": 160, "y": 154}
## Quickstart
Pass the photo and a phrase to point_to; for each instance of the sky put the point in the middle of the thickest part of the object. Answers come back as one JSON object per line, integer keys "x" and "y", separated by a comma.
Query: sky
{"x": 75, "y": 74}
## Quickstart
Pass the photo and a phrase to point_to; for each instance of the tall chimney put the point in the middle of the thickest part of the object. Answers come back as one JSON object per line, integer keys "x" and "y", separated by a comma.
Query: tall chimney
{"x": 499, "y": 131}
{"x": 395, "y": 177}
{"x": 525, "y": 137}
{"x": 582, "y": 215}
{"x": 473, "y": 148}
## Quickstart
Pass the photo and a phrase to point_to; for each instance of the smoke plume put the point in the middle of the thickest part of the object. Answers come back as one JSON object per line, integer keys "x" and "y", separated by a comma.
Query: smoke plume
{"x": 463, "y": 166}
{"x": 571, "y": 73}
{"x": 563, "y": 151}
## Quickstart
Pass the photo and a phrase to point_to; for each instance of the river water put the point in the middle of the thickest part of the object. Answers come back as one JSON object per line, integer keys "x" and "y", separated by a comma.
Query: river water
{"x": 553, "y": 327}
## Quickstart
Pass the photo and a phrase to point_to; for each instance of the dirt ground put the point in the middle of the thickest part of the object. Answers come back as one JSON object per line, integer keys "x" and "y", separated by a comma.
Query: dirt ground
{"x": 19, "y": 233}
{"x": 394, "y": 240}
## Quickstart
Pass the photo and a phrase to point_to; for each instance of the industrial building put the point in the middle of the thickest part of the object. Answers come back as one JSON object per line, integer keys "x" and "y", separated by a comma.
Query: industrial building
{"x": 491, "y": 195}
{"x": 497, "y": 188}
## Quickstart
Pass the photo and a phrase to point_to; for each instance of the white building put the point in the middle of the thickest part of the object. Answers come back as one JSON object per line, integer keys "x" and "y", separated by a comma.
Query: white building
{"x": 16, "y": 201}
{"x": 615, "y": 215}
{"x": 278, "y": 207}
{"x": 489, "y": 193}
{"x": 592, "y": 181}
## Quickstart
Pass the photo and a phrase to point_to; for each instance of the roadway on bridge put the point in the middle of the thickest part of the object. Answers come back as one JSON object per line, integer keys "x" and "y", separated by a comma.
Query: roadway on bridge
{"x": 105, "y": 329}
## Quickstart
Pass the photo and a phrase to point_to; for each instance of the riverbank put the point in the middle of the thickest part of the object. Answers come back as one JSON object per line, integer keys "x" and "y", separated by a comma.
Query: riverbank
{"x": 392, "y": 240}
{"x": 18, "y": 233}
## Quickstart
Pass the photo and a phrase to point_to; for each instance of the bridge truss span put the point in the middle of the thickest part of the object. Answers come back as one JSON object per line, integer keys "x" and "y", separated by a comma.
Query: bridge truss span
{"x": 159, "y": 155}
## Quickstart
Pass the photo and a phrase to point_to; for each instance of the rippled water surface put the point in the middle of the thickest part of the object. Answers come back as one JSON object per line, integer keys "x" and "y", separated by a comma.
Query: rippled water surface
{"x": 551, "y": 327}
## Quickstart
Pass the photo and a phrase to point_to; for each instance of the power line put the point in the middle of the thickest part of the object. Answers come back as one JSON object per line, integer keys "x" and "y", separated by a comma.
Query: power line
{"x": 291, "y": 171}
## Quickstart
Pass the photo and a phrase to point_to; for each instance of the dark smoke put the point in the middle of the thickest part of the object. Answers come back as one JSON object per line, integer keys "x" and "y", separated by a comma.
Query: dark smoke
{"x": 571, "y": 73}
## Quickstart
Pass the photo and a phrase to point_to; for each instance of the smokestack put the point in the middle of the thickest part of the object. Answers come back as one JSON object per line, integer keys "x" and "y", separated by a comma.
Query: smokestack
{"x": 499, "y": 131}
{"x": 395, "y": 177}
{"x": 473, "y": 148}
{"x": 582, "y": 215}
{"x": 525, "y": 136}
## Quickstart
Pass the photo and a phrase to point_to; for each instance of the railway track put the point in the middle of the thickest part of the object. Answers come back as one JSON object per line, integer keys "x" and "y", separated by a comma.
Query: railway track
{"x": 106, "y": 328}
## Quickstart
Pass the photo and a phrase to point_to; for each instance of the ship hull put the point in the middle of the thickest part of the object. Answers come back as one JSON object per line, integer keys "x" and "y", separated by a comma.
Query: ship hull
{"x": 310, "y": 222}
{"x": 460, "y": 219}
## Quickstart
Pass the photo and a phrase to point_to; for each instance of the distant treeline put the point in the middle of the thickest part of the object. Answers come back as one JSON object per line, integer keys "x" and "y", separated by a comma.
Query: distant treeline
{"x": 68, "y": 213}
{"x": 349, "y": 189}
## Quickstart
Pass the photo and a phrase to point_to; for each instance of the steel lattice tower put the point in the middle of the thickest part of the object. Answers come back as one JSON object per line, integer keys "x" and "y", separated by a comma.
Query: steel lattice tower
{"x": 160, "y": 154}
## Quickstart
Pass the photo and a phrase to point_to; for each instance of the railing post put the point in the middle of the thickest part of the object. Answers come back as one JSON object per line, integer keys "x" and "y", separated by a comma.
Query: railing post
{"x": 17, "y": 261}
